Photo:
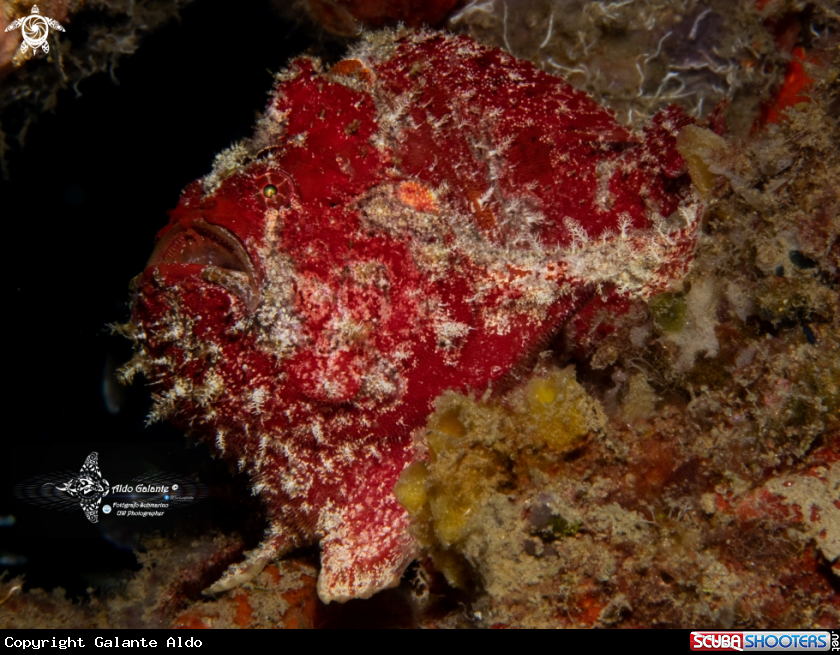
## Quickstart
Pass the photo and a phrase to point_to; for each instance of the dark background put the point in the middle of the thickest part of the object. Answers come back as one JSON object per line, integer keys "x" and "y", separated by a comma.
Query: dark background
{"x": 87, "y": 194}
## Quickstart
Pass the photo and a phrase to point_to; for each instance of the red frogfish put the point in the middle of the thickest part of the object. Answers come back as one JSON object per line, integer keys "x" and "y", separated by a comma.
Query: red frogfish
{"x": 422, "y": 216}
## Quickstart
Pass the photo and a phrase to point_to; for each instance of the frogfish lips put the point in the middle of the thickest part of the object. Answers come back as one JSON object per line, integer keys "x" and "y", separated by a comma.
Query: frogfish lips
{"x": 215, "y": 253}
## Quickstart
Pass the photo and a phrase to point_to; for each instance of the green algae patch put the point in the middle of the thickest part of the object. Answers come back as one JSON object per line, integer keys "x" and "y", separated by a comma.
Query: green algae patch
{"x": 560, "y": 527}
{"x": 669, "y": 311}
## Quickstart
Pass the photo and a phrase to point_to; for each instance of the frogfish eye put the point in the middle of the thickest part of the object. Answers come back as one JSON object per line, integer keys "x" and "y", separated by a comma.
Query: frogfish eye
{"x": 275, "y": 188}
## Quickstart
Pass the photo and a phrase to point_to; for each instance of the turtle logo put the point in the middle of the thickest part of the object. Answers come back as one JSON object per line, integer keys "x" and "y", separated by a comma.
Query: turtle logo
{"x": 88, "y": 487}
{"x": 35, "y": 29}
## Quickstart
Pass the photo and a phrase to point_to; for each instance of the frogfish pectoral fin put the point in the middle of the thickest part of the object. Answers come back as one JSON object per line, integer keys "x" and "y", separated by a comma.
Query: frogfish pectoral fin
{"x": 366, "y": 548}
{"x": 274, "y": 545}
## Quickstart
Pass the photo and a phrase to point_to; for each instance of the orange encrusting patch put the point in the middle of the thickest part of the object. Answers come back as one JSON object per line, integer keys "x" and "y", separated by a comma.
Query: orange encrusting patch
{"x": 303, "y": 604}
{"x": 352, "y": 67}
{"x": 244, "y": 611}
{"x": 417, "y": 196}
{"x": 797, "y": 81}
{"x": 590, "y": 609}
{"x": 190, "y": 621}
{"x": 275, "y": 574}
{"x": 484, "y": 217}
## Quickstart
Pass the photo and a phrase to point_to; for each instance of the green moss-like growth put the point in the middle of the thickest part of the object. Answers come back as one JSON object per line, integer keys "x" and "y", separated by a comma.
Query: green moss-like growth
{"x": 560, "y": 527}
{"x": 668, "y": 311}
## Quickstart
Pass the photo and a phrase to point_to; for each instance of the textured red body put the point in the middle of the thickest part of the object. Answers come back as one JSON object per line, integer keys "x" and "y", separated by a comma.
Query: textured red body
{"x": 421, "y": 217}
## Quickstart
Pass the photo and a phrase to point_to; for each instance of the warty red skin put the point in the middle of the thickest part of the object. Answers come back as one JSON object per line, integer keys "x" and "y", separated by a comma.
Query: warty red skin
{"x": 442, "y": 210}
